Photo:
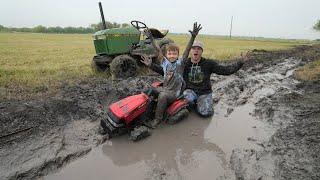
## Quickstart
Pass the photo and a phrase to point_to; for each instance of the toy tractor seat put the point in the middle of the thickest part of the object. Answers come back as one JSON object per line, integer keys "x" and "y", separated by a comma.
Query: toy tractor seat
{"x": 158, "y": 34}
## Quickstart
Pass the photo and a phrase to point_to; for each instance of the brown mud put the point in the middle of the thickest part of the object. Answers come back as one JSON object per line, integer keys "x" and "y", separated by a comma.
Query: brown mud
{"x": 266, "y": 126}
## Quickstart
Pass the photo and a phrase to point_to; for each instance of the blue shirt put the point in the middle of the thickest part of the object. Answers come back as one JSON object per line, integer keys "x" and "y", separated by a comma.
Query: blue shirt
{"x": 176, "y": 66}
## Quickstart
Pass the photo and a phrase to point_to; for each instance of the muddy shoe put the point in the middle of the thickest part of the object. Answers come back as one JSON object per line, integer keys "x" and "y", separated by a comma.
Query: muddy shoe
{"x": 179, "y": 116}
{"x": 154, "y": 123}
{"x": 139, "y": 133}
{"x": 102, "y": 131}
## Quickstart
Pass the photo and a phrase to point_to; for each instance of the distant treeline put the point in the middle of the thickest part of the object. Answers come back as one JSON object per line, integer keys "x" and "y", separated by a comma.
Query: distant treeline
{"x": 67, "y": 30}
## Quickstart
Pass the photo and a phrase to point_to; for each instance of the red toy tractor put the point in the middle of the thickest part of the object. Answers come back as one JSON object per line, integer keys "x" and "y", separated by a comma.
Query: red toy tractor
{"x": 133, "y": 113}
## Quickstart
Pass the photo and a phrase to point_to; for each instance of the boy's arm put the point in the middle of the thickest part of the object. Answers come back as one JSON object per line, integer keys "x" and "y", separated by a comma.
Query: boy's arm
{"x": 194, "y": 33}
{"x": 153, "y": 66}
{"x": 156, "y": 68}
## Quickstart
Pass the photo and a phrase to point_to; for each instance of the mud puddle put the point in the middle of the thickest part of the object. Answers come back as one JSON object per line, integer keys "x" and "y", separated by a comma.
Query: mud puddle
{"x": 196, "y": 148}
{"x": 238, "y": 130}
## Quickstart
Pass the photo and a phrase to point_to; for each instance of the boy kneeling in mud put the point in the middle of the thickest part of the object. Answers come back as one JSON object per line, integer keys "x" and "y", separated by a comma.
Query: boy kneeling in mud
{"x": 172, "y": 69}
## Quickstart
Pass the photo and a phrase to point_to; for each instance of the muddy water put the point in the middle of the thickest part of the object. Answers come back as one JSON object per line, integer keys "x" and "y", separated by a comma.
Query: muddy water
{"x": 237, "y": 130}
{"x": 196, "y": 148}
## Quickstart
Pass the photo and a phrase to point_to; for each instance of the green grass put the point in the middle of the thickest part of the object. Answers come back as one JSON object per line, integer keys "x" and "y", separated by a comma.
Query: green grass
{"x": 309, "y": 72}
{"x": 40, "y": 63}
{"x": 34, "y": 64}
{"x": 223, "y": 48}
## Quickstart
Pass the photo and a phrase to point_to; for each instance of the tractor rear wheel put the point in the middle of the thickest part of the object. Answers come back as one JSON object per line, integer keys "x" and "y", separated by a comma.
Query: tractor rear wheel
{"x": 123, "y": 66}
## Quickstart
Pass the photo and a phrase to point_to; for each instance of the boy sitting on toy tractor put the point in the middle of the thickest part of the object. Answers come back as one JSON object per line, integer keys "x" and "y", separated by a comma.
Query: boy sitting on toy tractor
{"x": 172, "y": 69}
{"x": 132, "y": 114}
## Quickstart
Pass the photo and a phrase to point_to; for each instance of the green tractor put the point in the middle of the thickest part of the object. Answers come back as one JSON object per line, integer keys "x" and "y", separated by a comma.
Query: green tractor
{"x": 119, "y": 50}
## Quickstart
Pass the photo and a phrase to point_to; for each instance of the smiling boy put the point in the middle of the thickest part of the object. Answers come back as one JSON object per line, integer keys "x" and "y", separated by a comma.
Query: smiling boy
{"x": 172, "y": 69}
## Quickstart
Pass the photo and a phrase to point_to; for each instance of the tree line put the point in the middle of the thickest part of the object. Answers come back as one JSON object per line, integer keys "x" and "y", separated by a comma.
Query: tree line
{"x": 64, "y": 30}
{"x": 81, "y": 30}
{"x": 317, "y": 26}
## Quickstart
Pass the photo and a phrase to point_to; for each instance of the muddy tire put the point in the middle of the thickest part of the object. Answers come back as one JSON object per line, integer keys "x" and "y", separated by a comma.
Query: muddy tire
{"x": 100, "y": 64}
{"x": 123, "y": 66}
{"x": 98, "y": 68}
{"x": 179, "y": 116}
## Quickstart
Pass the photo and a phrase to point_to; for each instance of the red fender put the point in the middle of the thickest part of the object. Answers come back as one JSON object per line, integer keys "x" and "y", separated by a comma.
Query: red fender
{"x": 177, "y": 106}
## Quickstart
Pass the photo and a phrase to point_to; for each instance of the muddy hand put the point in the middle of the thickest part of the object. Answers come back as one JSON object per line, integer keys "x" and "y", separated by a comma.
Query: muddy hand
{"x": 196, "y": 29}
{"x": 146, "y": 60}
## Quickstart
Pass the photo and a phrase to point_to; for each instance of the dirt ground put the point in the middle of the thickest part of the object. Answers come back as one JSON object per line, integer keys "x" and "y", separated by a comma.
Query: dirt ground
{"x": 266, "y": 126}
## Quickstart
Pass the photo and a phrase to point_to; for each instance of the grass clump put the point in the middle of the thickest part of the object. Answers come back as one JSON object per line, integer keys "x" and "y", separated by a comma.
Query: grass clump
{"x": 309, "y": 72}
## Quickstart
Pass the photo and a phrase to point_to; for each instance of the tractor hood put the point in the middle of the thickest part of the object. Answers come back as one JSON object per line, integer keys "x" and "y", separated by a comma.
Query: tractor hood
{"x": 130, "y": 107}
{"x": 116, "y": 40}
{"x": 117, "y": 32}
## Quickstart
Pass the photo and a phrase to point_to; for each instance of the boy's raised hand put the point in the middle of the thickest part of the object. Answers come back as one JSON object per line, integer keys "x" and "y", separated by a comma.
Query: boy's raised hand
{"x": 146, "y": 60}
{"x": 196, "y": 29}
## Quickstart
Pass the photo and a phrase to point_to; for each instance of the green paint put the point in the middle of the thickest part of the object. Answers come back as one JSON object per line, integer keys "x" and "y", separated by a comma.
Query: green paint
{"x": 116, "y": 41}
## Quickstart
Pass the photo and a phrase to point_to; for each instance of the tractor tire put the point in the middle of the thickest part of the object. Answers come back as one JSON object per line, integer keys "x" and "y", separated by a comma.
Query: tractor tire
{"x": 179, "y": 116}
{"x": 100, "y": 64}
{"x": 123, "y": 66}
{"x": 99, "y": 68}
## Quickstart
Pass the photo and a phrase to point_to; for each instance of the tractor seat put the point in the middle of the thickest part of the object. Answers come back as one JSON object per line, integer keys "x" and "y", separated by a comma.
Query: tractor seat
{"x": 158, "y": 34}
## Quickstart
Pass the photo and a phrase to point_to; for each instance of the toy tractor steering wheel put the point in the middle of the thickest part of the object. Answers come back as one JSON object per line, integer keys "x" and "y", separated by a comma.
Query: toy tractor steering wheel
{"x": 138, "y": 24}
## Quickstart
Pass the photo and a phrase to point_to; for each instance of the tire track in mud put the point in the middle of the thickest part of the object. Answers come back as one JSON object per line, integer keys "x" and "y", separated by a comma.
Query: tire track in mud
{"x": 259, "y": 88}
{"x": 292, "y": 108}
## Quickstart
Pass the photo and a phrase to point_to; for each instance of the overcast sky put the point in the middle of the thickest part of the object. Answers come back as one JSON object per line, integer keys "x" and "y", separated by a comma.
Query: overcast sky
{"x": 266, "y": 18}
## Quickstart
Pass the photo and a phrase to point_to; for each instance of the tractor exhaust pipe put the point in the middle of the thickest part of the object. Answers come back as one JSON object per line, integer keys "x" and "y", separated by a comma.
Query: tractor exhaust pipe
{"x": 102, "y": 16}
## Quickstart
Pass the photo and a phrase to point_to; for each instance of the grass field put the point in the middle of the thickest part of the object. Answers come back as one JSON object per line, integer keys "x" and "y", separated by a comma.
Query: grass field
{"x": 223, "y": 48}
{"x": 32, "y": 64}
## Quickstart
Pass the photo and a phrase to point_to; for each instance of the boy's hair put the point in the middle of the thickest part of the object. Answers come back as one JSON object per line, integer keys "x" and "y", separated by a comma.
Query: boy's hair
{"x": 171, "y": 47}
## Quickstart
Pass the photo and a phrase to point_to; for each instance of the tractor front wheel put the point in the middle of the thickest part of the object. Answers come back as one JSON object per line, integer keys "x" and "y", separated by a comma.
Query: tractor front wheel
{"x": 100, "y": 63}
{"x": 123, "y": 66}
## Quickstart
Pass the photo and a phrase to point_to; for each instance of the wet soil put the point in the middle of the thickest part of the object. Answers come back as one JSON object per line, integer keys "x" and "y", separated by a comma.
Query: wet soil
{"x": 266, "y": 126}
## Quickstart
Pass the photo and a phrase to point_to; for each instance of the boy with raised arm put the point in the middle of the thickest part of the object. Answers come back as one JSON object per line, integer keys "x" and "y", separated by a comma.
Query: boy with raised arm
{"x": 172, "y": 69}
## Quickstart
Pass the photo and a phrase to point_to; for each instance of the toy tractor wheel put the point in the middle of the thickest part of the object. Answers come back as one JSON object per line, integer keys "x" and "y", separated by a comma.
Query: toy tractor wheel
{"x": 183, "y": 113}
{"x": 123, "y": 66}
{"x": 100, "y": 63}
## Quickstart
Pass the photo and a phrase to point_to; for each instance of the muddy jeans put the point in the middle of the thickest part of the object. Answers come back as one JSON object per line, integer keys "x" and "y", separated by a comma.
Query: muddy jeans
{"x": 164, "y": 100}
{"x": 204, "y": 105}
